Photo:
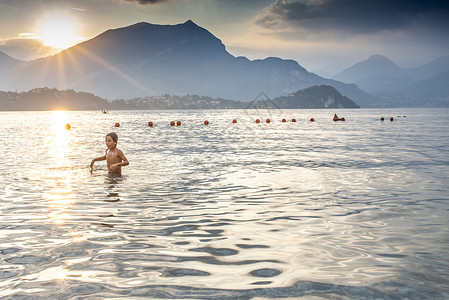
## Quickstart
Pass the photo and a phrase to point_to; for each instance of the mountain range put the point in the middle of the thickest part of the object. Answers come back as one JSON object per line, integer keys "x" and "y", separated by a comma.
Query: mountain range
{"x": 147, "y": 59}
{"x": 426, "y": 85}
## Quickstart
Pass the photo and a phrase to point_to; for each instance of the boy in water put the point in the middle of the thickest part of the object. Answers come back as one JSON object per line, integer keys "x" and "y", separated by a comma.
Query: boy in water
{"x": 113, "y": 156}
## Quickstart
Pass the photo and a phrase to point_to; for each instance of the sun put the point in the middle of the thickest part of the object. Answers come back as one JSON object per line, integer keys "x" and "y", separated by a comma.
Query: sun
{"x": 59, "y": 31}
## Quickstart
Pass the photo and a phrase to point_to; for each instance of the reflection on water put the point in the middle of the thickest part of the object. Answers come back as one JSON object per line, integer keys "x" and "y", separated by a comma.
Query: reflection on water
{"x": 301, "y": 210}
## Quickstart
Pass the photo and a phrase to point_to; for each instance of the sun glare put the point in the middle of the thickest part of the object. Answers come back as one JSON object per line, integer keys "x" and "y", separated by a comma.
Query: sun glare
{"x": 59, "y": 32}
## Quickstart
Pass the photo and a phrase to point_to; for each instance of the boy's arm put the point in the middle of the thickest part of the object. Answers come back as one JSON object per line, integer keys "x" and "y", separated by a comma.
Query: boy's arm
{"x": 125, "y": 161}
{"x": 96, "y": 159}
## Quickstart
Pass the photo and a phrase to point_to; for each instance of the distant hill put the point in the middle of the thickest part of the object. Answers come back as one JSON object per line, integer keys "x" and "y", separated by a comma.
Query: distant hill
{"x": 51, "y": 99}
{"x": 421, "y": 86}
{"x": 149, "y": 60}
{"x": 42, "y": 99}
{"x": 315, "y": 97}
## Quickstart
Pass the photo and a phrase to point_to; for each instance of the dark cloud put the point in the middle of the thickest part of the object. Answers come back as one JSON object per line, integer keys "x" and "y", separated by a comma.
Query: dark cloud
{"x": 358, "y": 16}
{"x": 145, "y": 2}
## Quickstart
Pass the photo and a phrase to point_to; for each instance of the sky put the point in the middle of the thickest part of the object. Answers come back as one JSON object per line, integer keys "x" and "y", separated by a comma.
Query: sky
{"x": 324, "y": 36}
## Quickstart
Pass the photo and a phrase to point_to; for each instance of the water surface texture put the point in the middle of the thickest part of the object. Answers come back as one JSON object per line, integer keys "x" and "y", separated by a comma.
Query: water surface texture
{"x": 304, "y": 210}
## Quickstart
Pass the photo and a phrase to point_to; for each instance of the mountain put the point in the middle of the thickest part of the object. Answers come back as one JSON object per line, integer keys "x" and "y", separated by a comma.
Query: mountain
{"x": 433, "y": 91}
{"x": 375, "y": 74}
{"x": 8, "y": 63}
{"x": 375, "y": 65}
{"x": 435, "y": 67}
{"x": 425, "y": 85}
{"x": 147, "y": 59}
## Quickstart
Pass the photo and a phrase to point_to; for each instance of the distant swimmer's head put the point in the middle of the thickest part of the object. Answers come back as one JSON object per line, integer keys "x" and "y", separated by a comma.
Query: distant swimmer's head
{"x": 111, "y": 140}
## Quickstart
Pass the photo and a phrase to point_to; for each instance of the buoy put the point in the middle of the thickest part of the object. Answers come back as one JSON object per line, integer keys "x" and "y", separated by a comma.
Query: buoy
{"x": 172, "y": 123}
{"x": 284, "y": 120}
{"x": 150, "y": 124}
{"x": 234, "y": 121}
{"x": 391, "y": 119}
{"x": 293, "y": 120}
{"x": 382, "y": 119}
{"x": 335, "y": 118}
{"x": 268, "y": 120}
{"x": 257, "y": 121}
{"x": 178, "y": 123}
{"x": 67, "y": 126}
{"x": 312, "y": 120}
{"x": 117, "y": 124}
{"x": 206, "y": 122}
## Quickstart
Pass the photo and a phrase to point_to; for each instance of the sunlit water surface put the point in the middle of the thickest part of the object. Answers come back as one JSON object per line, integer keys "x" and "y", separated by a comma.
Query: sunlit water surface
{"x": 323, "y": 210}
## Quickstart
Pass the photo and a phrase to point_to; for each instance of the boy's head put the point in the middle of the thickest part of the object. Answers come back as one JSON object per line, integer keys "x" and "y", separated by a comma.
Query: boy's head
{"x": 113, "y": 136}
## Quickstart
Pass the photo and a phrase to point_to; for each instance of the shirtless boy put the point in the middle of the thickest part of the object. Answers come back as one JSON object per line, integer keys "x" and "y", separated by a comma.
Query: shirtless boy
{"x": 114, "y": 157}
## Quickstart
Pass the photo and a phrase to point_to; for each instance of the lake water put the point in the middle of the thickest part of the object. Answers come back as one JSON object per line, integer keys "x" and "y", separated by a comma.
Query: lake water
{"x": 322, "y": 210}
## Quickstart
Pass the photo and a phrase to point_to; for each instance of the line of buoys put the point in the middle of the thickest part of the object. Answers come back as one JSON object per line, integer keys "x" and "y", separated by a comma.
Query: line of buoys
{"x": 269, "y": 120}
{"x": 234, "y": 121}
{"x": 383, "y": 119}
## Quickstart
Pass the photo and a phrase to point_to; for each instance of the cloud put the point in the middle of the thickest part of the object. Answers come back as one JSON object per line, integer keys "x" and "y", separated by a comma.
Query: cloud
{"x": 25, "y": 48}
{"x": 356, "y": 16}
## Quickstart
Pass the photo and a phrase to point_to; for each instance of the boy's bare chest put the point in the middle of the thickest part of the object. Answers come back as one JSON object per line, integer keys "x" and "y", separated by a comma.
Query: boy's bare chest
{"x": 112, "y": 156}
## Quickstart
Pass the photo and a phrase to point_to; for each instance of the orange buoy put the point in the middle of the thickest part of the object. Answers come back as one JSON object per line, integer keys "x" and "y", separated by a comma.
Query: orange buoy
{"x": 234, "y": 121}
{"x": 382, "y": 119}
{"x": 150, "y": 124}
{"x": 172, "y": 123}
{"x": 335, "y": 118}
{"x": 257, "y": 121}
{"x": 391, "y": 119}
{"x": 284, "y": 120}
{"x": 117, "y": 125}
{"x": 206, "y": 122}
{"x": 268, "y": 120}
{"x": 293, "y": 120}
{"x": 178, "y": 123}
{"x": 67, "y": 126}
{"x": 312, "y": 120}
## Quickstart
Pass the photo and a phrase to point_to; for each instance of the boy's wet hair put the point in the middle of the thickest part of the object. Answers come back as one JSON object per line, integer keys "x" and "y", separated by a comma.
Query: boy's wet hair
{"x": 113, "y": 136}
